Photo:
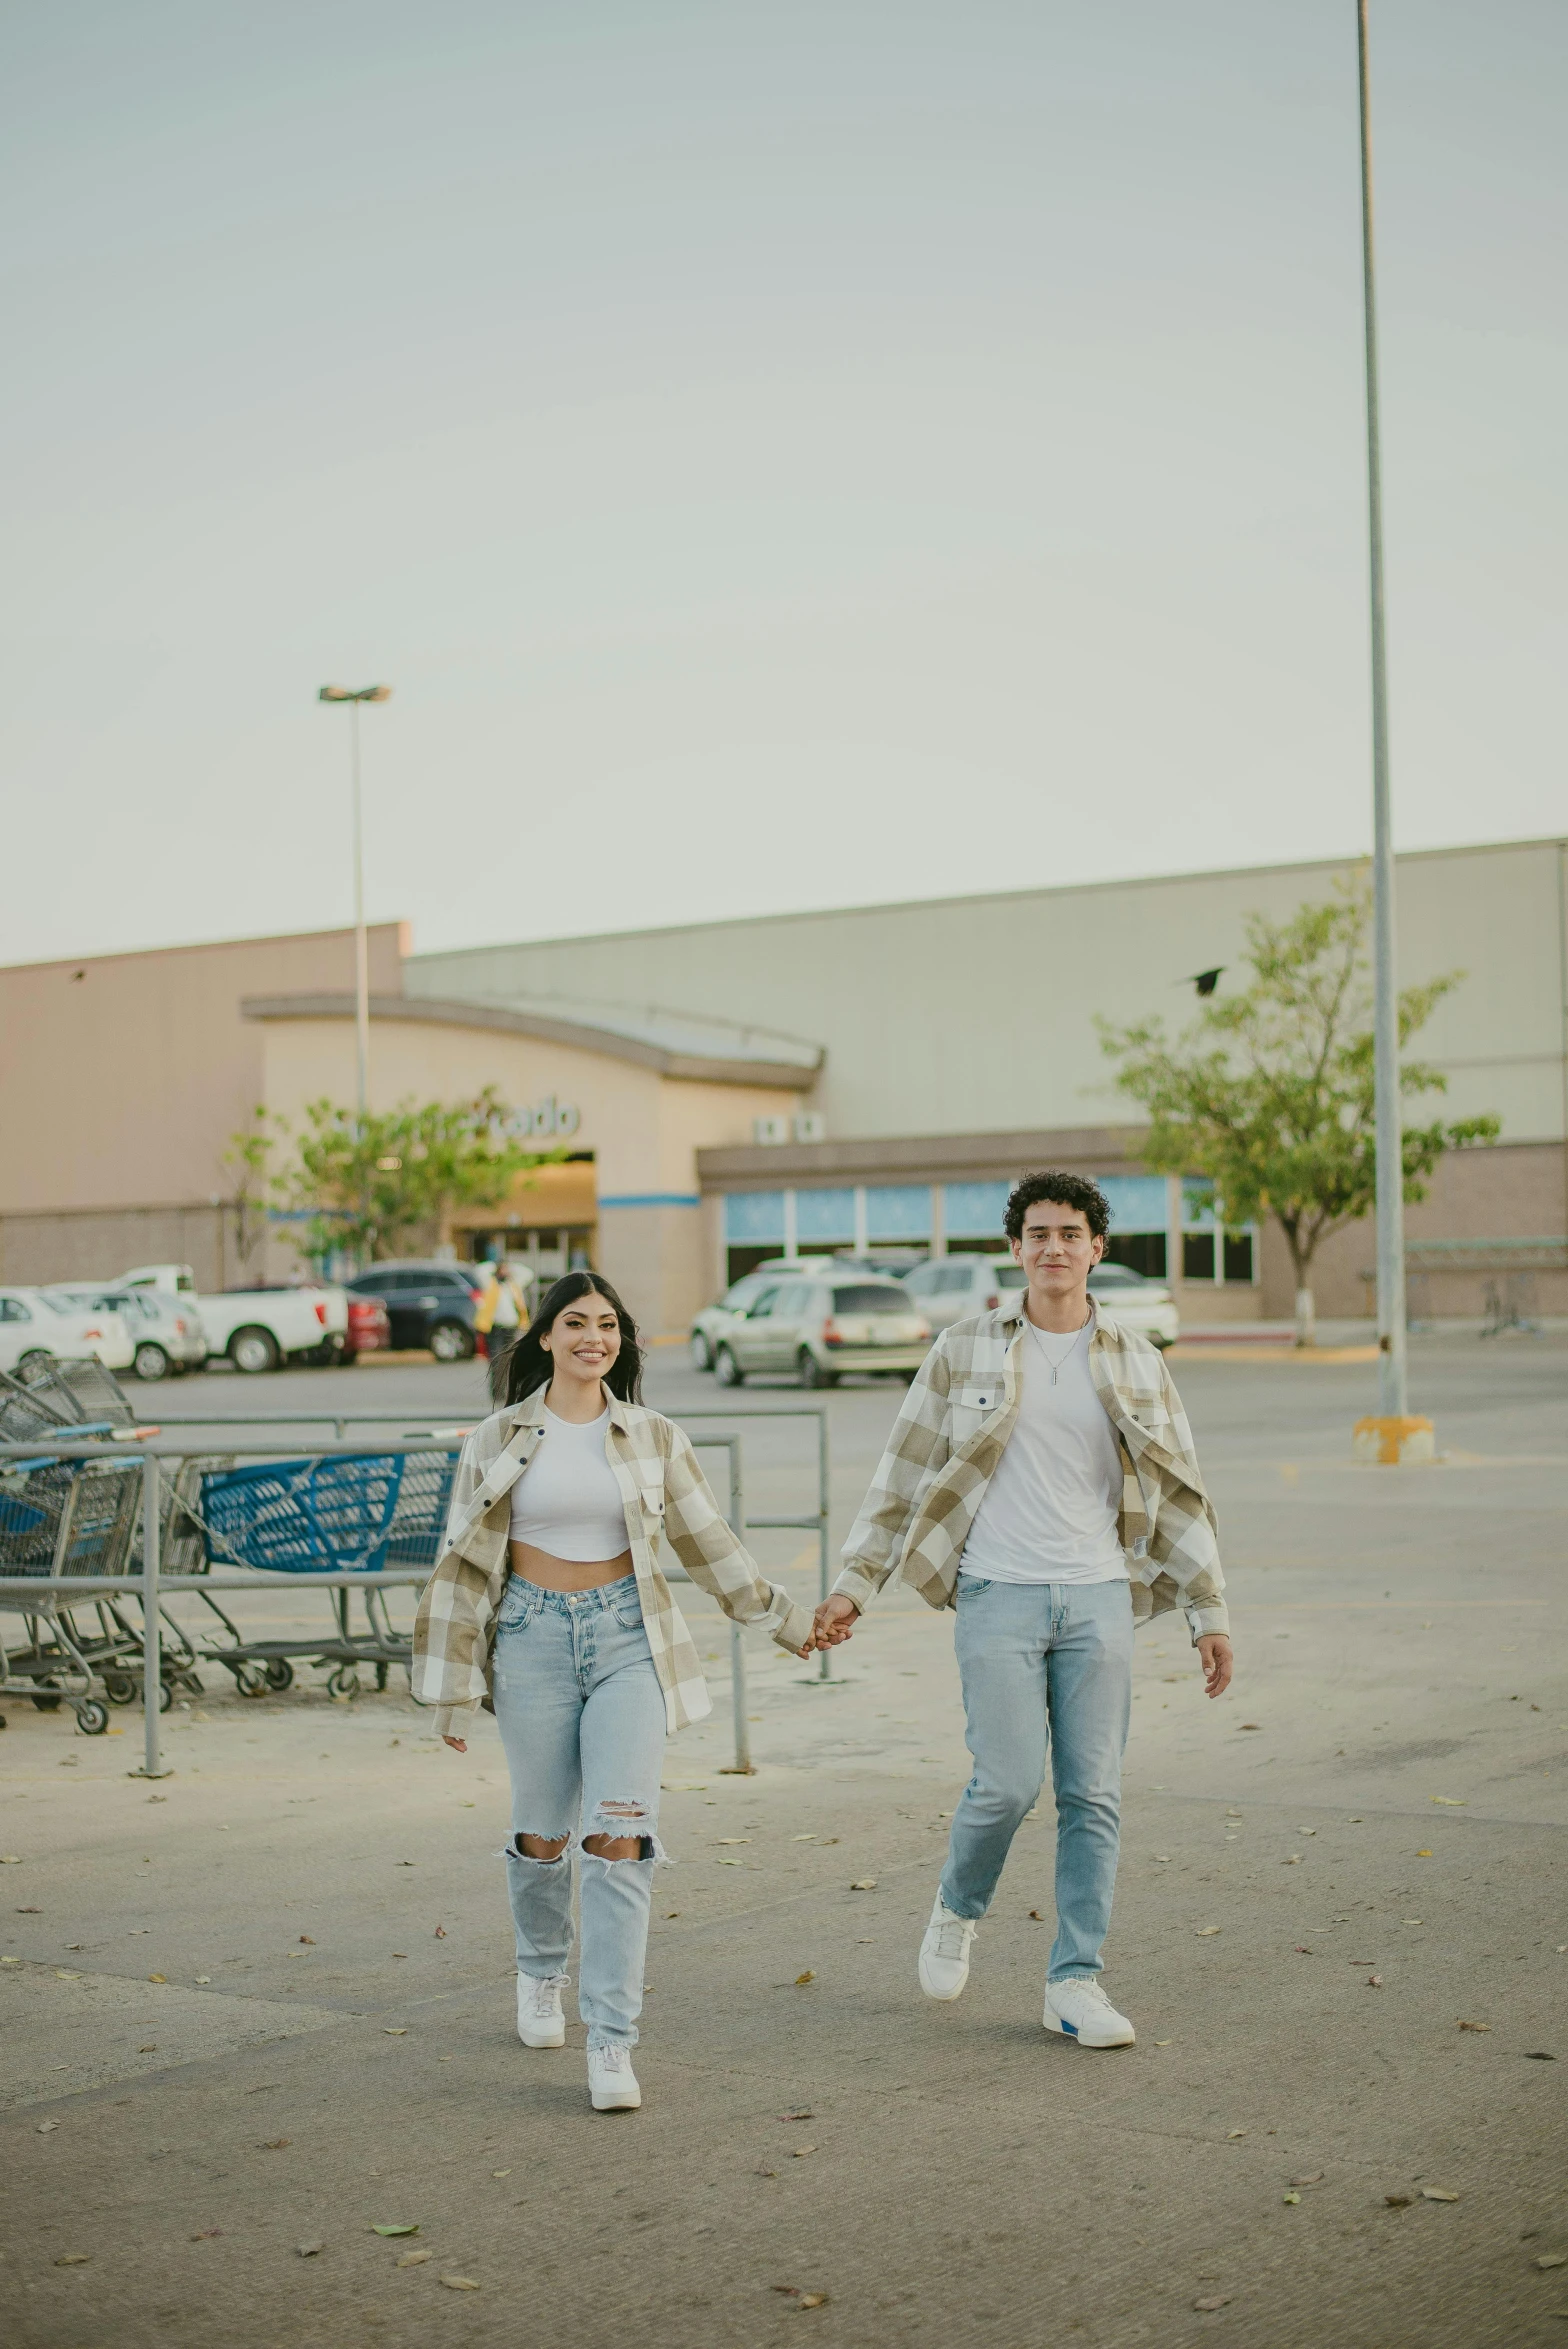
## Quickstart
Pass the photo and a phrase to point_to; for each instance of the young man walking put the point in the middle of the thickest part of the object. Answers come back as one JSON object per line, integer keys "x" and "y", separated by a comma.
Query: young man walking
{"x": 1040, "y": 1479}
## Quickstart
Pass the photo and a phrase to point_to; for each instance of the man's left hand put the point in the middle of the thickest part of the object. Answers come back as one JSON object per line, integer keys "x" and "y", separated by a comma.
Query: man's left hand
{"x": 1214, "y": 1651}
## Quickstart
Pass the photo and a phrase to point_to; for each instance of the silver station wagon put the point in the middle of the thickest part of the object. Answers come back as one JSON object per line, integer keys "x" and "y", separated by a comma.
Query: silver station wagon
{"x": 820, "y": 1329}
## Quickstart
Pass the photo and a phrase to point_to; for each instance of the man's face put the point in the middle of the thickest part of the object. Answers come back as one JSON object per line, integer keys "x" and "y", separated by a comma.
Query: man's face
{"x": 1057, "y": 1248}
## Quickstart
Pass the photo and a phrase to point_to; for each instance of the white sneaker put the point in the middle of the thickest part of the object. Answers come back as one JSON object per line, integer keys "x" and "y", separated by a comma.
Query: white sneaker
{"x": 540, "y": 2022}
{"x": 944, "y": 1953}
{"x": 612, "y": 2083}
{"x": 1078, "y": 2008}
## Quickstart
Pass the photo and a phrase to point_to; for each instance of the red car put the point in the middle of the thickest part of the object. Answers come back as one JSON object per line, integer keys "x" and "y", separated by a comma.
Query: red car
{"x": 369, "y": 1326}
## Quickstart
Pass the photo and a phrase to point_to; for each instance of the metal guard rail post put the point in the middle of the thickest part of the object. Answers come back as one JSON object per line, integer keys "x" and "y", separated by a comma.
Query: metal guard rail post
{"x": 151, "y": 1587}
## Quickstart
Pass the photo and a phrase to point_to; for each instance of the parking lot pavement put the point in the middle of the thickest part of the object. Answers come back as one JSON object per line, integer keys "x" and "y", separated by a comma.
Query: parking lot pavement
{"x": 277, "y": 1986}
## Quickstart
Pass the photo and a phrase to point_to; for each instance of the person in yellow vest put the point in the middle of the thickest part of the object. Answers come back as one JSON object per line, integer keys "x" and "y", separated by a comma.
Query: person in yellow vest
{"x": 500, "y": 1309}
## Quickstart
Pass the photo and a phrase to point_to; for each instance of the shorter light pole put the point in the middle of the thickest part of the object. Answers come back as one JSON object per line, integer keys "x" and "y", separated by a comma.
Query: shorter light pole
{"x": 354, "y": 695}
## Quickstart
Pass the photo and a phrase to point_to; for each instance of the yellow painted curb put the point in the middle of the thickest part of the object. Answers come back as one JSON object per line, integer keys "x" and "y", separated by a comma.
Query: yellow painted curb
{"x": 1190, "y": 1353}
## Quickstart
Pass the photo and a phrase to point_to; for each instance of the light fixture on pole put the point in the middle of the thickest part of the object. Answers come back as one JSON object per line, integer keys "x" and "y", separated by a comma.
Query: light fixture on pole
{"x": 354, "y": 695}
{"x": 1392, "y": 1436}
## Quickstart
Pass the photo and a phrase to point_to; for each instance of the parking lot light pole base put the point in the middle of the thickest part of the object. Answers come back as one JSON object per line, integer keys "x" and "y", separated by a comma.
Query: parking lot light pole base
{"x": 1397, "y": 1442}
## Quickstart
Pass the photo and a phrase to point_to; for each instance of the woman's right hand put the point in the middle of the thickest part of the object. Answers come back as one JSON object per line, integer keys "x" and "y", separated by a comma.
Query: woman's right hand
{"x": 459, "y": 1745}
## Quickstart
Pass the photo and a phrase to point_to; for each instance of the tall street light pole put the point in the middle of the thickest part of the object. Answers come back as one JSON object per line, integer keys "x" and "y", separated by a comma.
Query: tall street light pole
{"x": 354, "y": 696}
{"x": 1390, "y": 1155}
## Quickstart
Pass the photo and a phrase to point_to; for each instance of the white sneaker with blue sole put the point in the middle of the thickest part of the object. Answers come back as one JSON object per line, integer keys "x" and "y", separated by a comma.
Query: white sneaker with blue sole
{"x": 1078, "y": 2008}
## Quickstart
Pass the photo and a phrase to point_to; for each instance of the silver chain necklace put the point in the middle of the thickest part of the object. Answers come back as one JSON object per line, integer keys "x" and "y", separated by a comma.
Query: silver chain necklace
{"x": 1056, "y": 1361}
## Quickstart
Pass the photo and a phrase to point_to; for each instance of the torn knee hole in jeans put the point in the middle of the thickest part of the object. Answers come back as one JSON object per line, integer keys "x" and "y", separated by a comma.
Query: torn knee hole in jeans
{"x": 515, "y": 1851}
{"x": 621, "y": 1822}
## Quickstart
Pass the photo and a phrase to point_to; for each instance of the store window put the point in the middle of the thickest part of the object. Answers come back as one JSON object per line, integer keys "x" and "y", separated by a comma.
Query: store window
{"x": 898, "y": 1211}
{"x": 825, "y": 1219}
{"x": 973, "y": 1212}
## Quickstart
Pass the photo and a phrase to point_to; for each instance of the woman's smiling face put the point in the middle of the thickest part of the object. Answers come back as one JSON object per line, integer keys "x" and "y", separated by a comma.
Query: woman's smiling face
{"x": 584, "y": 1338}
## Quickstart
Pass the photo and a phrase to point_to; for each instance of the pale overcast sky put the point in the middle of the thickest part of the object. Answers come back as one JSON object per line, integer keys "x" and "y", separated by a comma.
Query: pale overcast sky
{"x": 782, "y": 455}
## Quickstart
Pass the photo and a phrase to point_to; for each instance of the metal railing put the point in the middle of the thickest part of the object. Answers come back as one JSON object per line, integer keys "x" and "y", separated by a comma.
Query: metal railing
{"x": 152, "y": 1586}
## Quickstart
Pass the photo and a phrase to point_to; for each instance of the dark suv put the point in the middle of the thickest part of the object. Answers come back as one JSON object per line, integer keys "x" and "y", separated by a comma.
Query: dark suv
{"x": 428, "y": 1305}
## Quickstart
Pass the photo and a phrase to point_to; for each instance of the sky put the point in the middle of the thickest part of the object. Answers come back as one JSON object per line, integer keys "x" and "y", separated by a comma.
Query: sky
{"x": 780, "y": 455}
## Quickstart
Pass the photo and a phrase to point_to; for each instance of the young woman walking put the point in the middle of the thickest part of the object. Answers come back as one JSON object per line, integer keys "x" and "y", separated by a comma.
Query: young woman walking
{"x": 549, "y": 1609}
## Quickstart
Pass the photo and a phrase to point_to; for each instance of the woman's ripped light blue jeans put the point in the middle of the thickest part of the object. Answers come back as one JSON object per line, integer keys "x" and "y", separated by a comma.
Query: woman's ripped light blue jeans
{"x": 581, "y": 1716}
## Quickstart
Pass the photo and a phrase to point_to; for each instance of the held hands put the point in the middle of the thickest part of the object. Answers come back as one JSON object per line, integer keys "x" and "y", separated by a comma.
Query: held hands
{"x": 835, "y": 1622}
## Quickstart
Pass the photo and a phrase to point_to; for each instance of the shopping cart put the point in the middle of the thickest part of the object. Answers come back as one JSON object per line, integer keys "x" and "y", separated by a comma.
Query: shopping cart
{"x": 57, "y": 1518}
{"x": 341, "y": 1512}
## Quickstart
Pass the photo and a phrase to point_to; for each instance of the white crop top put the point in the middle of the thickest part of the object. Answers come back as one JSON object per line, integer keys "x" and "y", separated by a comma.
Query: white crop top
{"x": 567, "y": 1501}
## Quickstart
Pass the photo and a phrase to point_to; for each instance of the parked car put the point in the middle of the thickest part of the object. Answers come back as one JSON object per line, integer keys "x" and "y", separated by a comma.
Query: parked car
{"x": 429, "y": 1305}
{"x": 952, "y": 1288}
{"x": 259, "y": 1327}
{"x": 369, "y": 1326}
{"x": 168, "y": 1336}
{"x": 714, "y": 1320}
{"x": 1144, "y": 1305}
{"x": 37, "y": 1328}
{"x": 821, "y": 1328}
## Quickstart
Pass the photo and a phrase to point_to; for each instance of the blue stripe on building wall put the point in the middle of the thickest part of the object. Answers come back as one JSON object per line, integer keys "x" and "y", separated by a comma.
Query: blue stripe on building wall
{"x": 652, "y": 1199}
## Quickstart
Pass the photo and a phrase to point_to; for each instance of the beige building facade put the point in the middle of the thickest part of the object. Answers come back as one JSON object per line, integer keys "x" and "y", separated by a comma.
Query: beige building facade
{"x": 870, "y": 1079}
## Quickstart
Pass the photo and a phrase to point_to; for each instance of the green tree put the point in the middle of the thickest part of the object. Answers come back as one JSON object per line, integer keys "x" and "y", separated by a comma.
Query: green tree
{"x": 250, "y": 1155}
{"x": 1270, "y": 1091}
{"x": 375, "y": 1187}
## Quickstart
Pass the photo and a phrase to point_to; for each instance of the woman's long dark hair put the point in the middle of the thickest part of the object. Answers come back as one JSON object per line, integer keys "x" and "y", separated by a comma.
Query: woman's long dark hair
{"x": 525, "y": 1366}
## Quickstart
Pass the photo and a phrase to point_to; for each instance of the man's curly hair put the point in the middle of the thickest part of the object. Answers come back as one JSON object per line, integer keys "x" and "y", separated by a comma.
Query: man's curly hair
{"x": 1063, "y": 1190}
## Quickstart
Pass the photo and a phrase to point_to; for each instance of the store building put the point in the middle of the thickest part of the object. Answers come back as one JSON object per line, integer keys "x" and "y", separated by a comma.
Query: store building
{"x": 871, "y": 1079}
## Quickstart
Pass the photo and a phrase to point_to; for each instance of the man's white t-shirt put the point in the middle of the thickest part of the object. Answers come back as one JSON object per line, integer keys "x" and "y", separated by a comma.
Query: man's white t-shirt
{"x": 1049, "y": 1513}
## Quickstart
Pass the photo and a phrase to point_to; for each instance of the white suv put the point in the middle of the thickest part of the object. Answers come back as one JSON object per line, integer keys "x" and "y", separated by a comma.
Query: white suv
{"x": 953, "y": 1288}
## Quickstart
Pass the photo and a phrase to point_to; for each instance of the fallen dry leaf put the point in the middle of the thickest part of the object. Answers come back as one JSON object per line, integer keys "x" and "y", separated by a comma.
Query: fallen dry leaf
{"x": 413, "y": 2230}
{"x": 157, "y": 1977}
{"x": 1162, "y": 2043}
{"x": 74, "y": 2259}
{"x": 413, "y": 2258}
{"x": 309, "y": 2250}
{"x": 1220, "y": 2299}
{"x": 772, "y": 2174}
{"x": 44, "y": 2127}
{"x": 801, "y": 2151}
{"x": 1203, "y": 1932}
{"x": 1449, "y": 1803}
{"x": 500, "y": 2173}
{"x": 388, "y": 2032}
{"x": 1230, "y": 2133}
{"x": 1437, "y": 2194}
{"x": 1291, "y": 2198}
{"x": 1538, "y": 2055}
{"x": 150, "y": 2048}
{"x": 802, "y": 1979}
{"x": 1475, "y": 2026}
{"x": 813, "y": 2300}
{"x": 440, "y": 1933}
{"x": 1397, "y": 2201}
{"x": 1302, "y": 1949}
{"x": 1248, "y": 1725}
{"x": 1423, "y": 1855}
{"x": 309, "y": 1940}
{"x": 276, "y": 2144}
{"x": 207, "y": 2235}
{"x": 864, "y": 1884}
{"x": 1552, "y": 2259}
{"x": 460, "y": 2283}
{"x": 802, "y": 2112}
{"x": 1374, "y": 1981}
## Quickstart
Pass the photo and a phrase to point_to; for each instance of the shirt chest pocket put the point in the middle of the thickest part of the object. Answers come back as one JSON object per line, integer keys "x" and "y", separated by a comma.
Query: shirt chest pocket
{"x": 971, "y": 1405}
{"x": 651, "y": 1504}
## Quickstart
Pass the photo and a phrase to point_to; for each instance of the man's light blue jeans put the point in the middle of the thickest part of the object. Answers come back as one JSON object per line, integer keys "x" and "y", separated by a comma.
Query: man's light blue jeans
{"x": 581, "y": 1716}
{"x": 1044, "y": 1664}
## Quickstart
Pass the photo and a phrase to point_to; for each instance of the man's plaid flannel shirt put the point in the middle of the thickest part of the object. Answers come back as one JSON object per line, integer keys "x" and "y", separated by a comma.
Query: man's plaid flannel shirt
{"x": 951, "y": 1433}
{"x": 666, "y": 1498}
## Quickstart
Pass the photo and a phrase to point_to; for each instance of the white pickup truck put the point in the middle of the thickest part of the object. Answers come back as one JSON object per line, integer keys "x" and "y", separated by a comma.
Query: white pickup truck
{"x": 258, "y": 1329}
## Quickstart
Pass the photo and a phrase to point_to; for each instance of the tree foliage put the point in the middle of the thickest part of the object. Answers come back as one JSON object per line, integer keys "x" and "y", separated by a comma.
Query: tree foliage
{"x": 377, "y": 1187}
{"x": 1270, "y": 1091}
